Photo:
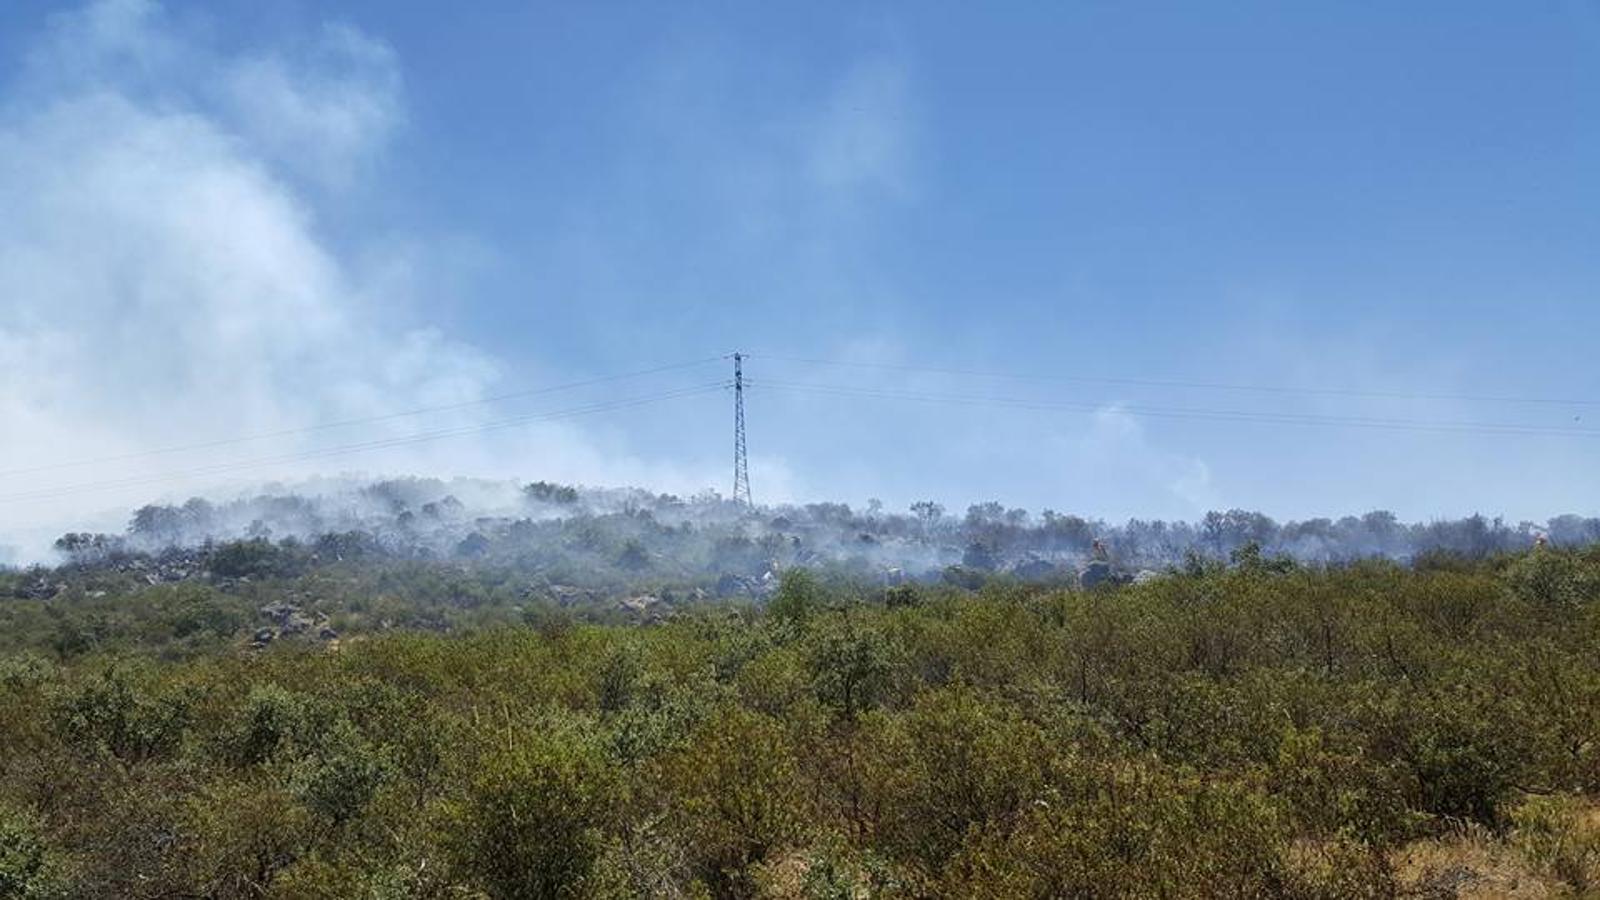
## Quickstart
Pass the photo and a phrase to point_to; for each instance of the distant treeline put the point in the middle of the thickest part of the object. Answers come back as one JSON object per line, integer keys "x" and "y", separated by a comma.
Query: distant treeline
{"x": 636, "y": 532}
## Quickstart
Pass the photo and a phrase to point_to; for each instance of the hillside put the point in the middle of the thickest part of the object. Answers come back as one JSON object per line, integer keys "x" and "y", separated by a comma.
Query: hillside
{"x": 1254, "y": 729}
{"x": 340, "y": 558}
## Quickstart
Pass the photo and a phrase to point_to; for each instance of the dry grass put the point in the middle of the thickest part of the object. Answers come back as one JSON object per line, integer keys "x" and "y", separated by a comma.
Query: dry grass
{"x": 1551, "y": 850}
{"x": 1470, "y": 864}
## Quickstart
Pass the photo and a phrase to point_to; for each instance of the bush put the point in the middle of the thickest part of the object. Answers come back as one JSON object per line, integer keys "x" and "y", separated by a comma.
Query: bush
{"x": 851, "y": 667}
{"x": 1553, "y": 578}
{"x": 254, "y": 558}
{"x": 798, "y": 598}
{"x": 271, "y": 719}
{"x": 338, "y": 780}
{"x": 1236, "y": 731}
{"x": 28, "y": 871}
{"x": 110, "y": 713}
{"x": 533, "y": 821}
{"x": 951, "y": 765}
{"x": 735, "y": 795}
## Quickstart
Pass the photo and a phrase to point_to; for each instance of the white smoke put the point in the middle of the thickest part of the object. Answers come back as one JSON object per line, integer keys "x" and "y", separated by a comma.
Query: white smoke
{"x": 163, "y": 279}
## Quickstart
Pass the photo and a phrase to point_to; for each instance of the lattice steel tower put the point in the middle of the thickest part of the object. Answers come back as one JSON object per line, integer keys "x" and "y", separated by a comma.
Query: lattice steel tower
{"x": 741, "y": 461}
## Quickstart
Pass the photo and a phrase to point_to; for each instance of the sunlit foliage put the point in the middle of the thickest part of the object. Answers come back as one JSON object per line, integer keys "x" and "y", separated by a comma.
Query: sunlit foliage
{"x": 1256, "y": 728}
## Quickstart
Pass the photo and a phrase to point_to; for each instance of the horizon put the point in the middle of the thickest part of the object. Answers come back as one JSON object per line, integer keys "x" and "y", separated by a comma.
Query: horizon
{"x": 1264, "y": 259}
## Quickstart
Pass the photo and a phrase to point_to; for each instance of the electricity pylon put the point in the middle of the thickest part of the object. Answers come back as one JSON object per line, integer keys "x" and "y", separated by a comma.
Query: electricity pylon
{"x": 741, "y": 460}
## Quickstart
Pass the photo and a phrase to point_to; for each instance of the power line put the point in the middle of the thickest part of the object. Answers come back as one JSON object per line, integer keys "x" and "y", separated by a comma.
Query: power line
{"x": 399, "y": 441}
{"x": 741, "y": 480}
{"x": 368, "y": 420}
{"x": 386, "y": 443}
{"x": 1453, "y": 427}
{"x": 1181, "y": 383}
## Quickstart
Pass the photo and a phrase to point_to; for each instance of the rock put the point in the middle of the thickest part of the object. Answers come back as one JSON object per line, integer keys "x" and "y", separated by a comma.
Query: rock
{"x": 296, "y": 624}
{"x": 263, "y": 637}
{"x": 1095, "y": 573}
{"x": 328, "y": 634}
{"x": 39, "y": 588}
{"x": 288, "y": 618}
{"x": 963, "y": 577}
{"x": 473, "y": 545}
{"x": 638, "y": 604}
{"x": 568, "y": 595}
{"x": 730, "y": 585}
{"x": 1035, "y": 568}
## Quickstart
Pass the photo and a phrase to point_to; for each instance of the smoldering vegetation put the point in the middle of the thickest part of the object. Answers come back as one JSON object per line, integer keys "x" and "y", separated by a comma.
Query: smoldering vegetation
{"x": 617, "y": 539}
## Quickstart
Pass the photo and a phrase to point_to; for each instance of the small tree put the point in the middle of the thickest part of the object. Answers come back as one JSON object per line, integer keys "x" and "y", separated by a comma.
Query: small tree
{"x": 633, "y": 556}
{"x": 545, "y": 492}
{"x": 981, "y": 555}
{"x": 797, "y": 598}
{"x": 928, "y": 513}
{"x": 850, "y": 668}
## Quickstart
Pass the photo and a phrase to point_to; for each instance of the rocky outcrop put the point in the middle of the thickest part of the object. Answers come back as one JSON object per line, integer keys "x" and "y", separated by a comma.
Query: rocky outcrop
{"x": 288, "y": 620}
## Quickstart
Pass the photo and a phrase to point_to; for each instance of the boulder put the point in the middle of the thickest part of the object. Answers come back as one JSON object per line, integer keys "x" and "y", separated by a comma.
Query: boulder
{"x": 731, "y": 585}
{"x": 1035, "y": 568}
{"x": 638, "y": 604}
{"x": 1095, "y": 573}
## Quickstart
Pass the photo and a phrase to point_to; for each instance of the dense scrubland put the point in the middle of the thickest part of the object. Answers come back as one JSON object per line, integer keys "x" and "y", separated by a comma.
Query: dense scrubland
{"x": 1254, "y": 727}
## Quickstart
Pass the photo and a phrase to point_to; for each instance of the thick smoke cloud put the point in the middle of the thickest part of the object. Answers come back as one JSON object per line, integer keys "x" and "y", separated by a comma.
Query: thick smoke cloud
{"x": 166, "y": 276}
{"x": 178, "y": 266}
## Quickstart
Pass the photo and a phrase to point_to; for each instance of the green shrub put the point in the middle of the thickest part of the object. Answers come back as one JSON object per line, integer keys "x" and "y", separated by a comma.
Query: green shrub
{"x": 112, "y": 714}
{"x": 798, "y": 598}
{"x": 735, "y": 795}
{"x": 271, "y": 719}
{"x": 28, "y": 870}
{"x": 1553, "y": 578}
{"x": 851, "y": 666}
{"x": 339, "y": 778}
{"x": 533, "y": 822}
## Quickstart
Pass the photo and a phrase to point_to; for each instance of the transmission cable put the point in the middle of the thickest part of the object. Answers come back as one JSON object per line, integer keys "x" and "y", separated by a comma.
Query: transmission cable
{"x": 385, "y": 443}
{"x": 1178, "y": 383}
{"x": 368, "y": 420}
{"x": 1456, "y": 427}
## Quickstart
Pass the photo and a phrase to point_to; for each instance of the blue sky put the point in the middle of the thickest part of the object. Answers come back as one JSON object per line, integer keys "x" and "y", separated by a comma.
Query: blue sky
{"x": 1323, "y": 196}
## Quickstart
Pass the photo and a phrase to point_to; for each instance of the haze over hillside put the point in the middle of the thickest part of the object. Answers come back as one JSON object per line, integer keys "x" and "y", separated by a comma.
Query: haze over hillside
{"x": 630, "y": 535}
{"x": 1056, "y": 277}
{"x": 814, "y": 450}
